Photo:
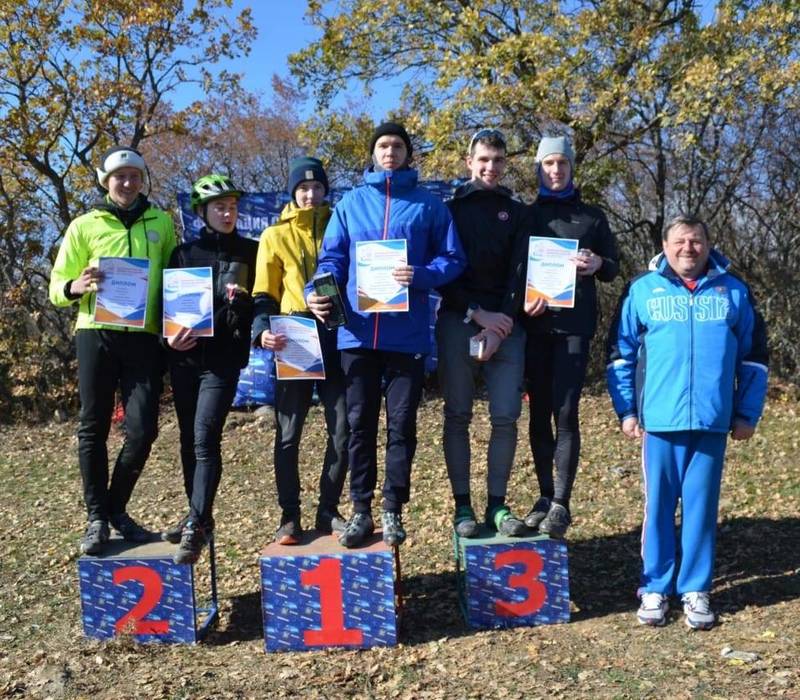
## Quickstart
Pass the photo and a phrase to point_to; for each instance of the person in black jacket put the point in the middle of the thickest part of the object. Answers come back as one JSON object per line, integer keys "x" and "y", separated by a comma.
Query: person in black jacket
{"x": 205, "y": 371}
{"x": 558, "y": 339}
{"x": 479, "y": 308}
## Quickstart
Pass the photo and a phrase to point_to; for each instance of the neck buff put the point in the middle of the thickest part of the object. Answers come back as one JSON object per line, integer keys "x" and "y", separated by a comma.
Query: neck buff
{"x": 566, "y": 193}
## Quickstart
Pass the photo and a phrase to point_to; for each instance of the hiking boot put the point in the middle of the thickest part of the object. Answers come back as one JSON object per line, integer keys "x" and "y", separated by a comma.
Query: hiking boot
{"x": 130, "y": 530}
{"x": 95, "y": 537}
{"x": 556, "y": 522}
{"x": 536, "y": 514}
{"x": 501, "y": 519}
{"x": 193, "y": 538}
{"x": 394, "y": 534}
{"x": 358, "y": 528}
{"x": 653, "y": 609}
{"x": 697, "y": 609}
{"x": 173, "y": 534}
{"x": 290, "y": 531}
{"x": 464, "y": 522}
{"x": 329, "y": 520}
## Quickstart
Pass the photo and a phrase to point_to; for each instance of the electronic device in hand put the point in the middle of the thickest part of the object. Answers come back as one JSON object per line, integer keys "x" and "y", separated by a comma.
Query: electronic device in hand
{"x": 325, "y": 286}
{"x": 477, "y": 346}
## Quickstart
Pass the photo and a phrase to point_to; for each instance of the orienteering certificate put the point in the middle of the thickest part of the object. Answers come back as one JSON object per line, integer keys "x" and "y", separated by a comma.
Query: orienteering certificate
{"x": 122, "y": 292}
{"x": 189, "y": 301}
{"x": 378, "y": 291}
{"x": 551, "y": 271}
{"x": 302, "y": 356}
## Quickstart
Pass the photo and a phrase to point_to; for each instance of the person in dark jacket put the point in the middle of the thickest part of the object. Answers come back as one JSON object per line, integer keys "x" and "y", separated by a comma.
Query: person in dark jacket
{"x": 205, "y": 371}
{"x": 558, "y": 339}
{"x": 385, "y": 348}
{"x": 479, "y": 307}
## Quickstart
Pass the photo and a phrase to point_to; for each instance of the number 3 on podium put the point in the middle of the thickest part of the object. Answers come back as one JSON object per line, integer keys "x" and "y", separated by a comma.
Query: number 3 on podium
{"x": 527, "y": 579}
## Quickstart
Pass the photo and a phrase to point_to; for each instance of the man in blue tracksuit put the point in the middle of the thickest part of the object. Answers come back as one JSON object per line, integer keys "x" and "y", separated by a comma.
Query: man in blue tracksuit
{"x": 385, "y": 348}
{"x": 687, "y": 364}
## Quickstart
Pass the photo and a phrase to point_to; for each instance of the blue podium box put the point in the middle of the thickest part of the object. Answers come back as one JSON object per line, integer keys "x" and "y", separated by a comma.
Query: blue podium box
{"x": 137, "y": 590}
{"x": 512, "y": 581}
{"x": 318, "y": 594}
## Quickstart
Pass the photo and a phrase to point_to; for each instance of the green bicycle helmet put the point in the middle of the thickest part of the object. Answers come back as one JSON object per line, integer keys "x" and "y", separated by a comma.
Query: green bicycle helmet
{"x": 211, "y": 187}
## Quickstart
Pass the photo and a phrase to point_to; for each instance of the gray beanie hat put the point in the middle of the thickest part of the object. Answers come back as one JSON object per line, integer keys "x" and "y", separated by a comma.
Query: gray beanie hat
{"x": 116, "y": 158}
{"x": 555, "y": 144}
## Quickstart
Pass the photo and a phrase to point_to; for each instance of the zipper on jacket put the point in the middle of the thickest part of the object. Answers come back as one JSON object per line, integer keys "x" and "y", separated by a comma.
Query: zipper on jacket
{"x": 691, "y": 355}
{"x": 385, "y": 236}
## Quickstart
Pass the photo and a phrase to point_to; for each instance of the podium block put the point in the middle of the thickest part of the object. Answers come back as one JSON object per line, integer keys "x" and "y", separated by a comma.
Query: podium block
{"x": 512, "y": 581}
{"x": 137, "y": 590}
{"x": 318, "y": 594}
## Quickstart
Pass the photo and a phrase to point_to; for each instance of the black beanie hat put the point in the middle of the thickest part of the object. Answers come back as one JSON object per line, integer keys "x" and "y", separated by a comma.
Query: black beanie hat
{"x": 391, "y": 129}
{"x": 302, "y": 169}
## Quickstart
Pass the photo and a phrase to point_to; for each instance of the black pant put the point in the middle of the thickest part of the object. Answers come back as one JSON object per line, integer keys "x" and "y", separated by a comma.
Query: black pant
{"x": 292, "y": 401}
{"x": 402, "y": 374}
{"x": 555, "y": 369}
{"x": 202, "y": 401}
{"x": 107, "y": 359}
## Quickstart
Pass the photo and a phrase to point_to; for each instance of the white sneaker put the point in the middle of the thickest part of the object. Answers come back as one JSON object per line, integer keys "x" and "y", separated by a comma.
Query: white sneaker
{"x": 653, "y": 610}
{"x": 697, "y": 608}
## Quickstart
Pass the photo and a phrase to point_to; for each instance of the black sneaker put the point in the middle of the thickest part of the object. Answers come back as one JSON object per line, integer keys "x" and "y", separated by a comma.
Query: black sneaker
{"x": 173, "y": 534}
{"x": 504, "y": 522}
{"x": 130, "y": 530}
{"x": 95, "y": 537}
{"x": 329, "y": 520}
{"x": 534, "y": 518}
{"x": 464, "y": 522}
{"x": 193, "y": 538}
{"x": 358, "y": 528}
{"x": 290, "y": 531}
{"x": 394, "y": 534}
{"x": 556, "y": 522}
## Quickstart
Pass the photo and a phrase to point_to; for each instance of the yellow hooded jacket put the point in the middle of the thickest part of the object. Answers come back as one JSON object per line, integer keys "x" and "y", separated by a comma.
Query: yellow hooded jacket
{"x": 287, "y": 260}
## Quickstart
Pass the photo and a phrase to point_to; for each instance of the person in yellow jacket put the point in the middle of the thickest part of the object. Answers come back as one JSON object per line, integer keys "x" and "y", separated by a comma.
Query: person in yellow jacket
{"x": 126, "y": 225}
{"x": 287, "y": 259}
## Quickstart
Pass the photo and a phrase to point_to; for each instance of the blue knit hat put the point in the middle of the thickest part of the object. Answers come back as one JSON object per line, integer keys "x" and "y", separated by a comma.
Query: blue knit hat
{"x": 556, "y": 144}
{"x": 302, "y": 169}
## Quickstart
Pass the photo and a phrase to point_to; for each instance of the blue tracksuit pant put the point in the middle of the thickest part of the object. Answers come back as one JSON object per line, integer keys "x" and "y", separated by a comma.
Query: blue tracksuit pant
{"x": 685, "y": 466}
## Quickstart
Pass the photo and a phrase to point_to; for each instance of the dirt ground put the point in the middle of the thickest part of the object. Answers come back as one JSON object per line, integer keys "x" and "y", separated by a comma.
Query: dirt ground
{"x": 601, "y": 653}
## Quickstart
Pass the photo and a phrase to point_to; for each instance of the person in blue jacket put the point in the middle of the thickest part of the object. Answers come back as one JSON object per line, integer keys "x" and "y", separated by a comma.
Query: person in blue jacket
{"x": 687, "y": 365}
{"x": 384, "y": 352}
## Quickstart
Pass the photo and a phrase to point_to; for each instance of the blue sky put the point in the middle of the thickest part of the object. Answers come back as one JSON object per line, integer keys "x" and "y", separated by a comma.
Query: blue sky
{"x": 282, "y": 30}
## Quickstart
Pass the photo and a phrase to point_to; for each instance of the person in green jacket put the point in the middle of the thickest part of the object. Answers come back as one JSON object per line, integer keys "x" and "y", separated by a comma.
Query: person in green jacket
{"x": 287, "y": 258}
{"x": 125, "y": 225}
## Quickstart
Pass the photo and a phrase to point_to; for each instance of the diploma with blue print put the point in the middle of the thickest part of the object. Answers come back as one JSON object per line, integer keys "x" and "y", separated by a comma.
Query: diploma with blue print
{"x": 551, "y": 271}
{"x": 301, "y": 358}
{"x": 122, "y": 293}
{"x": 189, "y": 301}
{"x": 378, "y": 291}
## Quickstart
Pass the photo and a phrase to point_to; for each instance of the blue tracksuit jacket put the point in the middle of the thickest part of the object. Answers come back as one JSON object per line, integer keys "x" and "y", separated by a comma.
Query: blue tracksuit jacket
{"x": 390, "y": 205}
{"x": 682, "y": 360}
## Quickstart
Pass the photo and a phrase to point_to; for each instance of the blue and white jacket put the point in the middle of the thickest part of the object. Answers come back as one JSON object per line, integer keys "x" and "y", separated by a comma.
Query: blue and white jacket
{"x": 687, "y": 360}
{"x": 390, "y": 205}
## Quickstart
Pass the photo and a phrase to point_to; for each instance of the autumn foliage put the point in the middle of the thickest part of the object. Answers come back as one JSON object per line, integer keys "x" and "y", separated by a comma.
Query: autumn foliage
{"x": 673, "y": 106}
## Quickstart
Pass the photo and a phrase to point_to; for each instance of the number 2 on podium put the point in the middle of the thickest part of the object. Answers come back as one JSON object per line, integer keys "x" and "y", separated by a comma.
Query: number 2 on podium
{"x": 133, "y": 621}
